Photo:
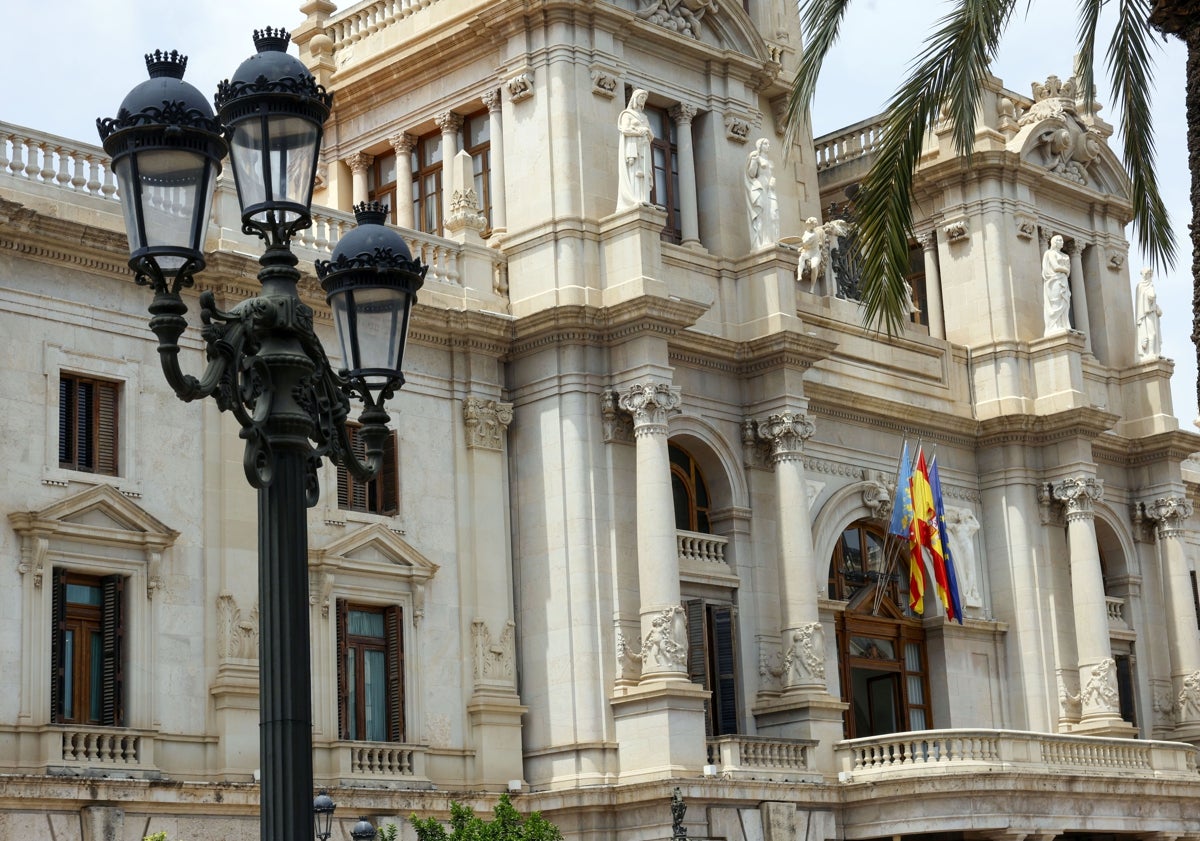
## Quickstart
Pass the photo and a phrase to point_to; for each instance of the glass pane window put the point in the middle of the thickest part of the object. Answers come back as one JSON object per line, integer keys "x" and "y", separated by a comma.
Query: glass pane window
{"x": 86, "y": 644}
{"x": 370, "y": 677}
{"x": 689, "y": 490}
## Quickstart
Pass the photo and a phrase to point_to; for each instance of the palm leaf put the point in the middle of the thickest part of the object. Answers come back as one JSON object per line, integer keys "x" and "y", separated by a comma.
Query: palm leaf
{"x": 820, "y": 21}
{"x": 1130, "y": 68}
{"x": 951, "y": 69}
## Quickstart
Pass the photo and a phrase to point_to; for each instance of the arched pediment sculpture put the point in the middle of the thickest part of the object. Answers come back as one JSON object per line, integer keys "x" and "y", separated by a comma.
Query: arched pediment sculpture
{"x": 1052, "y": 135}
{"x": 717, "y": 23}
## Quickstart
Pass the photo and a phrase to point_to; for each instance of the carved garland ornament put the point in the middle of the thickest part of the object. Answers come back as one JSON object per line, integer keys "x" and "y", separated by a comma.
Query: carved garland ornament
{"x": 236, "y": 636}
{"x": 494, "y": 659}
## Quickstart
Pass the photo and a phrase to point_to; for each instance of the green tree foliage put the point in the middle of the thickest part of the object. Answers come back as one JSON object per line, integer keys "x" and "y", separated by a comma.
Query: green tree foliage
{"x": 947, "y": 78}
{"x": 506, "y": 825}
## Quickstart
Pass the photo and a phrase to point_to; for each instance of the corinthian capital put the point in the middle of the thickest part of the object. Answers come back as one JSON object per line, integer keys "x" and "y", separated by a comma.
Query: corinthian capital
{"x": 1168, "y": 514}
{"x": 650, "y": 403}
{"x": 485, "y": 421}
{"x": 360, "y": 162}
{"x": 786, "y": 433}
{"x": 1078, "y": 494}
{"x": 448, "y": 122}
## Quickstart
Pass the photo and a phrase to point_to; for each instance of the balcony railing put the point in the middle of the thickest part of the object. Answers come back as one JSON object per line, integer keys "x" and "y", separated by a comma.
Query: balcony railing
{"x": 379, "y": 762}
{"x": 920, "y": 753}
{"x": 848, "y": 144}
{"x": 78, "y": 169}
{"x": 697, "y": 548}
{"x": 1116, "y": 613}
{"x": 758, "y": 758}
{"x": 358, "y": 23}
{"x": 103, "y": 747}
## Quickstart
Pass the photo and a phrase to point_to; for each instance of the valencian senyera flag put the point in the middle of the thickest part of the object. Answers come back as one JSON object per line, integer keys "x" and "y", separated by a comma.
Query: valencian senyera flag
{"x": 951, "y": 598}
{"x": 925, "y": 540}
{"x": 903, "y": 525}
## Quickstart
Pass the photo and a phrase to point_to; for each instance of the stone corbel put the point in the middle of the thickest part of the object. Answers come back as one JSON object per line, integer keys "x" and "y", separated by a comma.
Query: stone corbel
{"x": 737, "y": 128}
{"x": 956, "y": 231}
{"x": 520, "y": 87}
{"x": 1026, "y": 227}
{"x": 320, "y": 587}
{"x": 877, "y": 497}
{"x": 153, "y": 573}
{"x": 617, "y": 424}
{"x": 1116, "y": 259}
{"x": 33, "y": 557}
{"x": 605, "y": 82}
{"x": 418, "y": 597}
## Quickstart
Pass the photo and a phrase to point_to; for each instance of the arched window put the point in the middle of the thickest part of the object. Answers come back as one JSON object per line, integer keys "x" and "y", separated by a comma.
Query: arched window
{"x": 689, "y": 490}
{"x": 884, "y": 667}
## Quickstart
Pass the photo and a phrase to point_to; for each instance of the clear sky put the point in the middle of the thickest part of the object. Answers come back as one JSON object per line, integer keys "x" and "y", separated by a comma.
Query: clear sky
{"x": 89, "y": 54}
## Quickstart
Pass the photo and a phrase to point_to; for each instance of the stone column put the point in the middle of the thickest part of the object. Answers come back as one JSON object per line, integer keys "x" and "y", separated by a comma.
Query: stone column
{"x": 1183, "y": 642}
{"x": 689, "y": 221}
{"x": 663, "y": 628}
{"x": 1079, "y": 304}
{"x": 1099, "y": 701}
{"x": 403, "y": 144}
{"x": 493, "y": 102}
{"x": 803, "y": 643}
{"x": 450, "y": 124}
{"x": 933, "y": 285}
{"x": 359, "y": 165}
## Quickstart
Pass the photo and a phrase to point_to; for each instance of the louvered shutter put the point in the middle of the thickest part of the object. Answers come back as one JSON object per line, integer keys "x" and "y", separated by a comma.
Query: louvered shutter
{"x": 106, "y": 428}
{"x": 112, "y": 633}
{"x": 85, "y": 431}
{"x": 725, "y": 679}
{"x": 342, "y": 689}
{"x": 389, "y": 478}
{"x": 395, "y": 672}
{"x": 58, "y": 623}
{"x": 66, "y": 426}
{"x": 697, "y": 655}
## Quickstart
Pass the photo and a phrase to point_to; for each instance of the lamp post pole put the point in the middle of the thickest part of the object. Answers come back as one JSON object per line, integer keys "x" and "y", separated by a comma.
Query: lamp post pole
{"x": 265, "y": 363}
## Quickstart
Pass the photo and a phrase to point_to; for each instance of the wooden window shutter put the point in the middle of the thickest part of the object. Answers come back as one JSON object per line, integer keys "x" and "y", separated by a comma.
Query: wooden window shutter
{"x": 725, "y": 677}
{"x": 697, "y": 651}
{"x": 112, "y": 593}
{"x": 342, "y": 690}
{"x": 58, "y": 622}
{"x": 389, "y": 478}
{"x": 106, "y": 428}
{"x": 395, "y": 672}
{"x": 85, "y": 419}
{"x": 66, "y": 426}
{"x": 1196, "y": 599}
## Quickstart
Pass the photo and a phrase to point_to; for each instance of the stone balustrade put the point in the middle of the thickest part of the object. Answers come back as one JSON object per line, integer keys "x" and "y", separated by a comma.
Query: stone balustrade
{"x": 848, "y": 144}
{"x": 375, "y": 761}
{"x": 362, "y": 21}
{"x": 921, "y": 753}
{"x": 79, "y": 169}
{"x": 100, "y": 746}
{"x": 1116, "y": 613}
{"x": 698, "y": 548}
{"x": 36, "y": 157}
{"x": 758, "y": 758}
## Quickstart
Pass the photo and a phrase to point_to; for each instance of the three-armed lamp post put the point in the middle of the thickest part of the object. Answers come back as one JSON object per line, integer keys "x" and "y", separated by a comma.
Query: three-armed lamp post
{"x": 265, "y": 363}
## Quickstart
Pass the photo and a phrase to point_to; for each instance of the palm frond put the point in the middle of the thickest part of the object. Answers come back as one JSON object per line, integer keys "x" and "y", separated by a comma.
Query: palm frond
{"x": 951, "y": 70}
{"x": 1089, "y": 22}
{"x": 1130, "y": 68}
{"x": 820, "y": 22}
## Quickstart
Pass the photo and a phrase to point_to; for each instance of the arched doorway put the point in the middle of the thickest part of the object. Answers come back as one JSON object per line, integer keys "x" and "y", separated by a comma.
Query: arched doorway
{"x": 884, "y": 666}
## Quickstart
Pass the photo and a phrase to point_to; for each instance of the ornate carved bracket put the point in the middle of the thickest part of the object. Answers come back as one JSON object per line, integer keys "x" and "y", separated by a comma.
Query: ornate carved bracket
{"x": 485, "y": 422}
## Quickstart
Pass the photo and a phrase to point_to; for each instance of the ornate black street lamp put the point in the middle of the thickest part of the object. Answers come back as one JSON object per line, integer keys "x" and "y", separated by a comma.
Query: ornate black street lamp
{"x": 323, "y": 807}
{"x": 265, "y": 363}
{"x": 363, "y": 830}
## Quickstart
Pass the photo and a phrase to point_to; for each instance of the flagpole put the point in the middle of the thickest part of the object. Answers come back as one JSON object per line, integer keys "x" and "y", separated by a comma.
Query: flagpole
{"x": 890, "y": 548}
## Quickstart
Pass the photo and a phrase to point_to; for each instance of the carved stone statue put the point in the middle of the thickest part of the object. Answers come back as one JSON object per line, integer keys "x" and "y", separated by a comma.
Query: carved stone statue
{"x": 635, "y": 169}
{"x": 812, "y": 249}
{"x": 1149, "y": 338}
{"x": 760, "y": 197}
{"x": 1056, "y": 268}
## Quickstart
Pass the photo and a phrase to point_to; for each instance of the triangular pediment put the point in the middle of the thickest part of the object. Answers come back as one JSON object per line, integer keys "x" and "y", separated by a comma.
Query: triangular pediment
{"x": 373, "y": 546}
{"x": 98, "y": 514}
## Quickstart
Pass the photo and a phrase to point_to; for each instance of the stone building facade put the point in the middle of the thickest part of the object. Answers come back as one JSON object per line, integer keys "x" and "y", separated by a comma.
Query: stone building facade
{"x": 634, "y": 537}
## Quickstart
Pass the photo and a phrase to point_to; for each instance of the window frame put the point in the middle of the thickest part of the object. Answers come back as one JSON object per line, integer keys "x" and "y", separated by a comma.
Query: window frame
{"x": 690, "y": 478}
{"x": 422, "y": 168}
{"x": 380, "y": 191}
{"x": 392, "y": 646}
{"x": 106, "y": 623}
{"x": 103, "y": 422}
{"x": 481, "y": 156}
{"x": 665, "y": 191}
{"x": 379, "y": 496}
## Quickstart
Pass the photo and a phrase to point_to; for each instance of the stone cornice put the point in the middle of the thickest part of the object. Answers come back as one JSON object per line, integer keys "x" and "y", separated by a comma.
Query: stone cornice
{"x": 778, "y": 350}
{"x": 1036, "y": 431}
{"x": 603, "y": 325}
{"x": 877, "y": 412}
{"x": 1173, "y": 446}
